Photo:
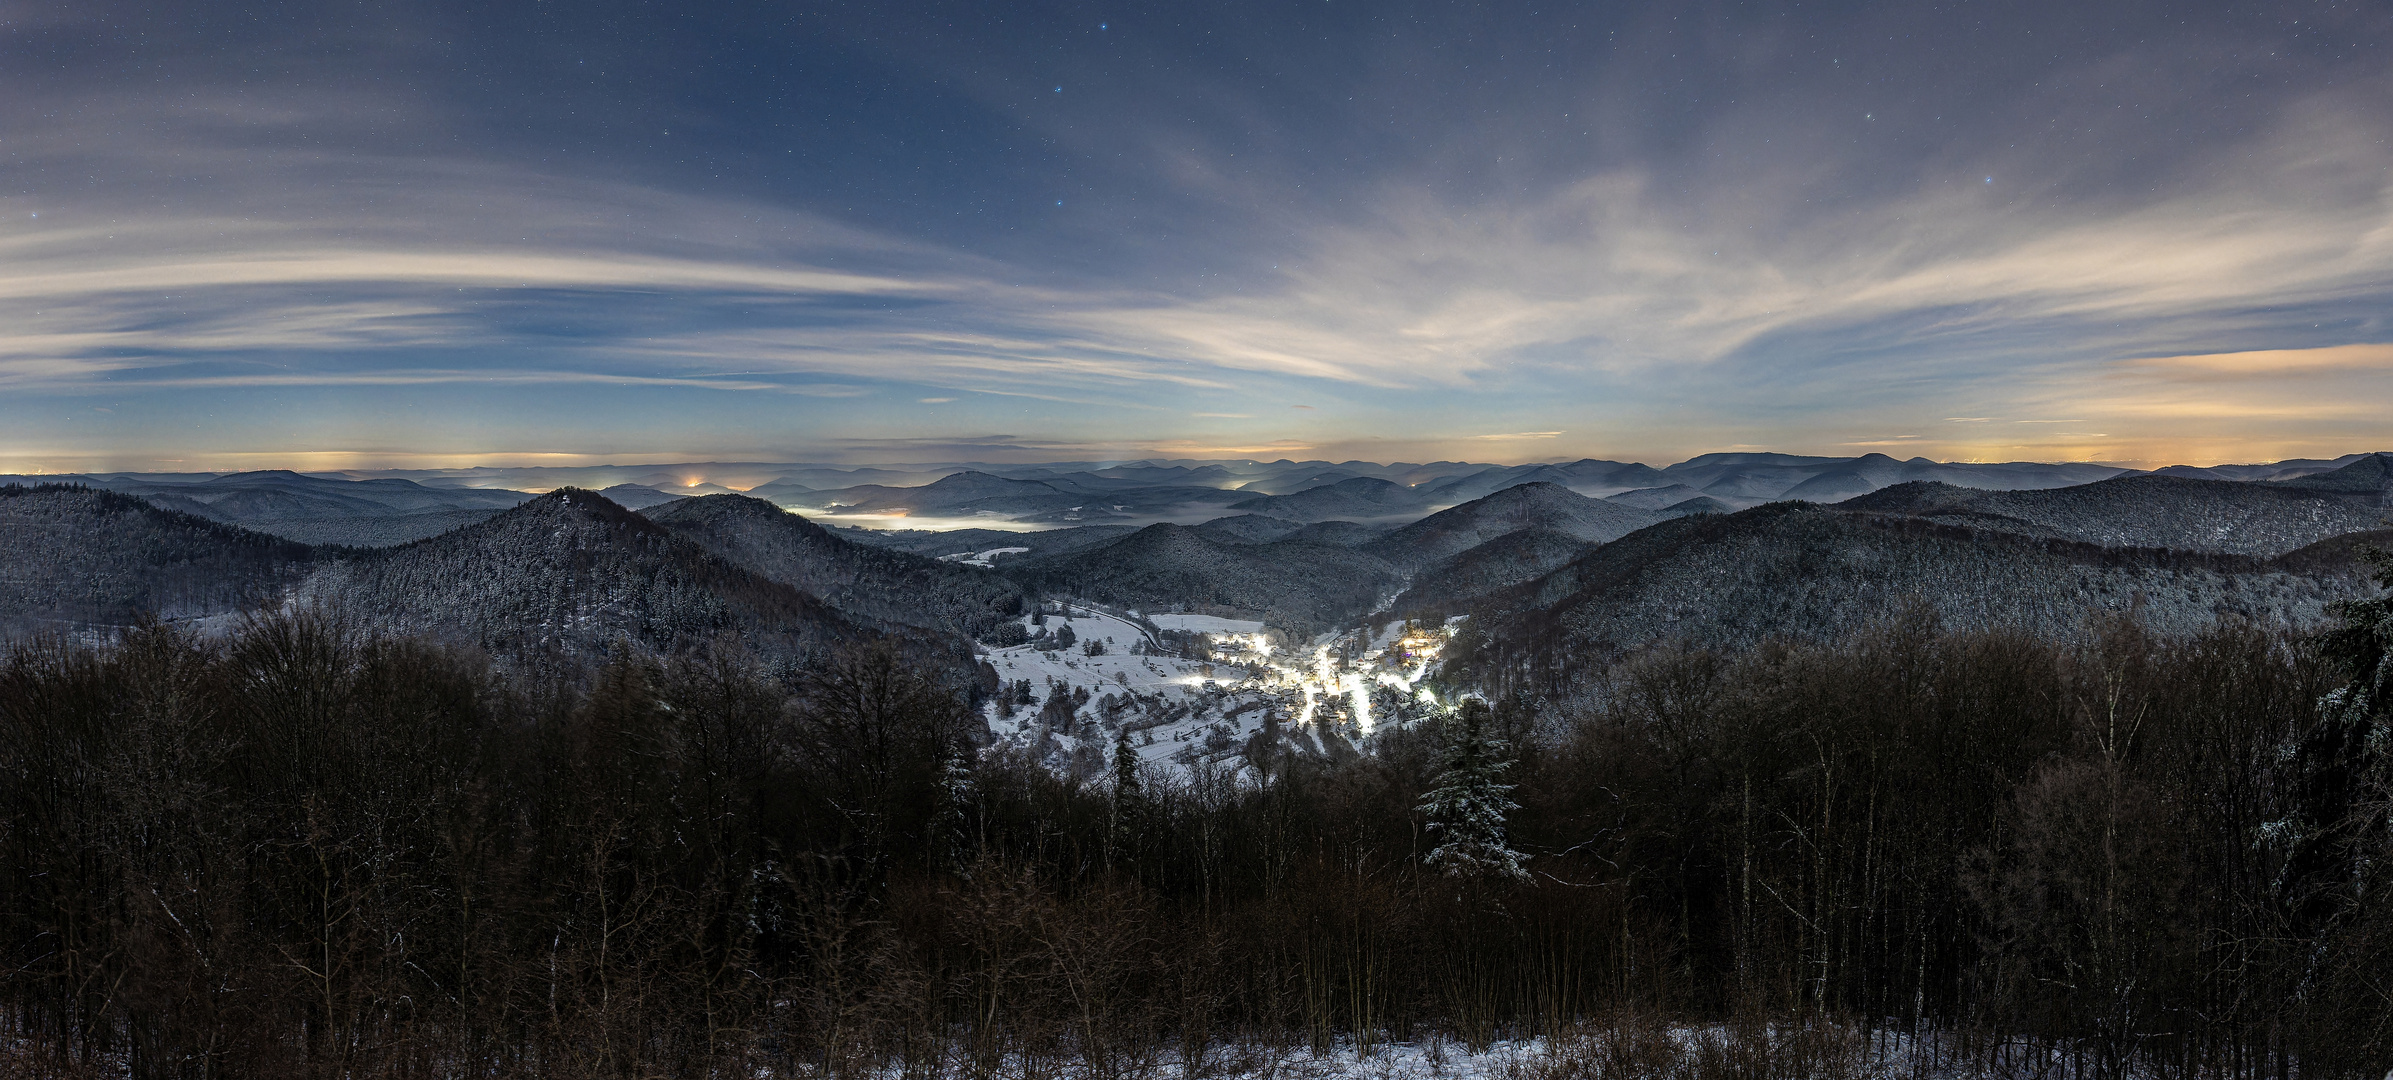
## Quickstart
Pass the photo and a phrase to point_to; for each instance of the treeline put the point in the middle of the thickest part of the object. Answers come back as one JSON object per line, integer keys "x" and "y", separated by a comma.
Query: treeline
{"x": 299, "y": 852}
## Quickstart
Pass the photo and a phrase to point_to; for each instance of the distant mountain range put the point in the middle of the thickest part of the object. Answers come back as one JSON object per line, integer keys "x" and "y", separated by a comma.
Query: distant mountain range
{"x": 1552, "y": 561}
{"x": 1364, "y": 491}
{"x": 379, "y": 509}
{"x": 312, "y": 509}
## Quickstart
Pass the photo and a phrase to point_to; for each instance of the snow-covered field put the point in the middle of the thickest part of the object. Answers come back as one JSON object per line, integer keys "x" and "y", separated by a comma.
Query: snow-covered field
{"x": 982, "y": 558}
{"x": 1180, "y": 711}
{"x": 1206, "y": 624}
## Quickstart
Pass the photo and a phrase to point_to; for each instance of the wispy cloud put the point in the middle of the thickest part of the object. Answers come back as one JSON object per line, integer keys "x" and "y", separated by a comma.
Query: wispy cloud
{"x": 2270, "y": 363}
{"x": 1756, "y": 279}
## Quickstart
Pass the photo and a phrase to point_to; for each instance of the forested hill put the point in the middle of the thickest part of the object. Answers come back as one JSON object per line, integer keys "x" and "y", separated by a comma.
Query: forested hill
{"x": 72, "y": 557}
{"x": 1292, "y": 583}
{"x": 1800, "y": 571}
{"x": 1541, "y": 506}
{"x": 873, "y": 582}
{"x": 573, "y": 573}
{"x": 2265, "y": 518}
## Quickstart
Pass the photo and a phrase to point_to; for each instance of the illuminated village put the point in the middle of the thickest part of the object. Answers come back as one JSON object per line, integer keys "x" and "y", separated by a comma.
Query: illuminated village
{"x": 1088, "y": 674}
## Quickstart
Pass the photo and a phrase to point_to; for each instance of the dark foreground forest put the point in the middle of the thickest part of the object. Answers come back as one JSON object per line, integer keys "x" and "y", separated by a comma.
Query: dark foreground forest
{"x": 296, "y": 852}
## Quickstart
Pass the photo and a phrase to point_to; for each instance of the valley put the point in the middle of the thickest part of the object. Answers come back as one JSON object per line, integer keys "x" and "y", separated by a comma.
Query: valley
{"x": 1197, "y": 692}
{"x": 1262, "y": 624}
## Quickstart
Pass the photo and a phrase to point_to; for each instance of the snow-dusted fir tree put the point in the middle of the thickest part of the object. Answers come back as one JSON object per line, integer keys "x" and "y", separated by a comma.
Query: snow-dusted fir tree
{"x": 1466, "y": 809}
{"x": 2337, "y": 827}
{"x": 951, "y": 842}
{"x": 1130, "y": 807}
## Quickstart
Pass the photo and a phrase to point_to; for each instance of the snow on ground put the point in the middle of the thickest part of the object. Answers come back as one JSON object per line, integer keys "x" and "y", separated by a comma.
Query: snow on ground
{"x": 1208, "y": 624}
{"x": 1180, "y": 711}
{"x": 1684, "y": 1050}
{"x": 1884, "y": 1054}
{"x": 1187, "y": 714}
{"x": 1442, "y": 1059}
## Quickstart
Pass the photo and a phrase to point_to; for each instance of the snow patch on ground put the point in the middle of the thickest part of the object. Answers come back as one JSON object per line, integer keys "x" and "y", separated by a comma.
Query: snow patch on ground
{"x": 984, "y": 558}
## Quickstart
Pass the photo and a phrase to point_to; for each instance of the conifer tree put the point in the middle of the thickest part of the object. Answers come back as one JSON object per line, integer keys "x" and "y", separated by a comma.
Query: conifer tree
{"x": 1129, "y": 796}
{"x": 2342, "y": 795}
{"x": 950, "y": 837}
{"x": 1466, "y": 810}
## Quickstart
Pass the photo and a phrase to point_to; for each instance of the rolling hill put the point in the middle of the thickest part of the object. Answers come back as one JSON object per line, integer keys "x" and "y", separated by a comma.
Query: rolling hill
{"x": 1292, "y": 584}
{"x": 1800, "y": 570}
{"x": 573, "y": 574}
{"x": 1359, "y": 498}
{"x": 1539, "y": 505}
{"x": 2186, "y": 513}
{"x": 1456, "y": 583}
{"x": 320, "y": 510}
{"x": 875, "y": 583}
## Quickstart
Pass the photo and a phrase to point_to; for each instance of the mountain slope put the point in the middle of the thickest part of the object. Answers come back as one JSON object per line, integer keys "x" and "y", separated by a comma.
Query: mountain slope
{"x": 877, "y": 583}
{"x": 1344, "y": 534}
{"x": 78, "y": 556}
{"x": 1655, "y": 498}
{"x": 1801, "y": 570}
{"x": 374, "y": 530}
{"x": 1586, "y": 474}
{"x": 322, "y": 510}
{"x": 1746, "y": 479}
{"x": 1297, "y": 585}
{"x": 2367, "y": 475}
{"x": 572, "y": 573}
{"x": 1541, "y": 505}
{"x": 1353, "y": 499}
{"x": 1246, "y": 529}
{"x": 636, "y": 496}
{"x": 2184, "y": 513}
{"x": 1453, "y": 585}
{"x": 389, "y": 495}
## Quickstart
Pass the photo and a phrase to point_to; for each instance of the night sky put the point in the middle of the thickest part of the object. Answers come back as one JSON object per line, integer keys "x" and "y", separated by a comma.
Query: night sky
{"x": 322, "y": 235}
